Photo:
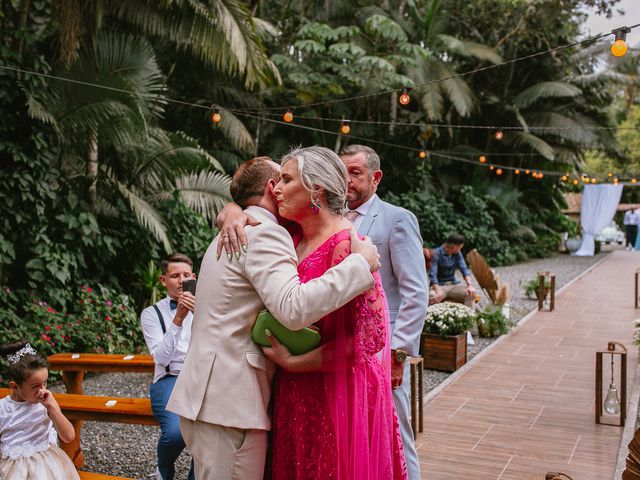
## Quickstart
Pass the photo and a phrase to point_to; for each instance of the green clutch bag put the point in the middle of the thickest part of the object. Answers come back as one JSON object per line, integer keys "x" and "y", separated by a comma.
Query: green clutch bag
{"x": 298, "y": 342}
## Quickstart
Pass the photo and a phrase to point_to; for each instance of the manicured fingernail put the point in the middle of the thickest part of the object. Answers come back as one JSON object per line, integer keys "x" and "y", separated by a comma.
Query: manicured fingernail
{"x": 268, "y": 332}
{"x": 244, "y": 248}
{"x": 237, "y": 255}
{"x": 229, "y": 256}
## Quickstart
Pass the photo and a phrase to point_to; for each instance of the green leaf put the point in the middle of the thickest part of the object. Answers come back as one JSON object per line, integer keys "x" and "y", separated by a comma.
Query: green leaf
{"x": 545, "y": 90}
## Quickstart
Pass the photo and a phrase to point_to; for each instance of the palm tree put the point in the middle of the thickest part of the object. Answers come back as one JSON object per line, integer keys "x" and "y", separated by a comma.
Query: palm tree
{"x": 109, "y": 136}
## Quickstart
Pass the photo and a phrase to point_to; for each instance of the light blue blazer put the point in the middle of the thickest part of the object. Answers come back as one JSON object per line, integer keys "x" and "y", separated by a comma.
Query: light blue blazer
{"x": 395, "y": 232}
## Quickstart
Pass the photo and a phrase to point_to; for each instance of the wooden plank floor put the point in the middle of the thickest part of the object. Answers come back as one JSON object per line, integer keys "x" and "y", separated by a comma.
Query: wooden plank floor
{"x": 527, "y": 407}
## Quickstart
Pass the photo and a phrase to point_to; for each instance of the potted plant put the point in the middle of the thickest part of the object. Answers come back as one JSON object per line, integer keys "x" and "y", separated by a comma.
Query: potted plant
{"x": 532, "y": 289}
{"x": 492, "y": 322}
{"x": 444, "y": 338}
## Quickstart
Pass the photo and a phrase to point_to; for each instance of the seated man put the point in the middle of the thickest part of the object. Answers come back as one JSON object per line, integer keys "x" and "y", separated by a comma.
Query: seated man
{"x": 442, "y": 274}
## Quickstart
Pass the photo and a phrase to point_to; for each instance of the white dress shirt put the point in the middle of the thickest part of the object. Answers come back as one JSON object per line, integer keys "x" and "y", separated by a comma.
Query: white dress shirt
{"x": 166, "y": 348}
{"x": 362, "y": 211}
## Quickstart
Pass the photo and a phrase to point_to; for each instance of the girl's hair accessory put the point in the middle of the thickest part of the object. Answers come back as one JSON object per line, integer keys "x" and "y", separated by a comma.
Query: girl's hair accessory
{"x": 26, "y": 350}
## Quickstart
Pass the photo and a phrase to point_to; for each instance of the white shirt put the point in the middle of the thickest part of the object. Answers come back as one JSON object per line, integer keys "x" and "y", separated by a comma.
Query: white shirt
{"x": 166, "y": 348}
{"x": 363, "y": 210}
{"x": 630, "y": 217}
{"x": 25, "y": 429}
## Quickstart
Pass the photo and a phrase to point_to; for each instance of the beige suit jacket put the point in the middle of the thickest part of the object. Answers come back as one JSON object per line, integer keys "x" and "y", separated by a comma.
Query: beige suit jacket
{"x": 226, "y": 379}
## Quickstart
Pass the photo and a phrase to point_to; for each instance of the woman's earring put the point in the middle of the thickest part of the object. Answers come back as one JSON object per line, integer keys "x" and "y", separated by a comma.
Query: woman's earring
{"x": 315, "y": 204}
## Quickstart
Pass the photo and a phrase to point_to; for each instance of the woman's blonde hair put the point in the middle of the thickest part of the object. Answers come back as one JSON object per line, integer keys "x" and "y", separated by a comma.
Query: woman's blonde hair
{"x": 320, "y": 167}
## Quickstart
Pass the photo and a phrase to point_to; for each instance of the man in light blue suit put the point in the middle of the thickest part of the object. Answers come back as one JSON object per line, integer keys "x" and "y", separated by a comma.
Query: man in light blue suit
{"x": 395, "y": 232}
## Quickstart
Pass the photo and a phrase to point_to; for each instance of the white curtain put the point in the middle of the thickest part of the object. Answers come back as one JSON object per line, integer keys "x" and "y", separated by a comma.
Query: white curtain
{"x": 599, "y": 204}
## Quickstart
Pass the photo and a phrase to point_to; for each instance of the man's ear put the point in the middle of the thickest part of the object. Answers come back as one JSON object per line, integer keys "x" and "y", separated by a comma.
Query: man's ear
{"x": 271, "y": 185}
{"x": 163, "y": 280}
{"x": 377, "y": 177}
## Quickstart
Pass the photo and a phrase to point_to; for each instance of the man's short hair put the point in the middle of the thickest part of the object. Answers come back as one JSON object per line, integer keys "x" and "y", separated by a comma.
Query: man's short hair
{"x": 174, "y": 258}
{"x": 251, "y": 177}
{"x": 373, "y": 160}
{"x": 455, "y": 239}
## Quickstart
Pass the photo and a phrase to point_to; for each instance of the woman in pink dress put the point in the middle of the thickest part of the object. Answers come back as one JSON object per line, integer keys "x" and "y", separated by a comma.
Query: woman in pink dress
{"x": 334, "y": 416}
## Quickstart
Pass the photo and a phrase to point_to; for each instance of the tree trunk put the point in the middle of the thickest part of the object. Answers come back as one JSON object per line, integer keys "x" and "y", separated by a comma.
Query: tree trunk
{"x": 393, "y": 112}
{"x": 92, "y": 171}
{"x": 24, "y": 16}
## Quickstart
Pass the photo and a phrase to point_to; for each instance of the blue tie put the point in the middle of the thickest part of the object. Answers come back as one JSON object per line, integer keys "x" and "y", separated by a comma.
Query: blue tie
{"x": 173, "y": 304}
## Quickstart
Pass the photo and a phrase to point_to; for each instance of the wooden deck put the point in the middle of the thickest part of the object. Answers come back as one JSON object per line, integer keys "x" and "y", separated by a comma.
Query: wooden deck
{"x": 527, "y": 406}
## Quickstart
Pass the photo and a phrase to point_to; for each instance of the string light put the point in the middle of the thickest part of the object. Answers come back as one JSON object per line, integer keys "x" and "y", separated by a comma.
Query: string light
{"x": 575, "y": 182}
{"x": 609, "y": 174}
{"x": 404, "y": 98}
{"x": 593, "y": 180}
{"x": 499, "y": 135}
{"x": 216, "y": 117}
{"x": 564, "y": 178}
{"x": 482, "y": 159}
{"x": 345, "y": 129}
{"x": 619, "y": 47}
{"x": 517, "y": 171}
{"x": 491, "y": 167}
{"x": 288, "y": 116}
{"x": 499, "y": 171}
{"x": 526, "y": 172}
{"x": 422, "y": 154}
{"x": 633, "y": 180}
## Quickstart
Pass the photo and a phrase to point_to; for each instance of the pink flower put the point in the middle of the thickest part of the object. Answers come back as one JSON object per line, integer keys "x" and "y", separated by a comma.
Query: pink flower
{"x": 122, "y": 307}
{"x": 89, "y": 290}
{"x": 67, "y": 338}
{"x": 58, "y": 326}
{"x": 78, "y": 322}
{"x": 90, "y": 300}
{"x": 107, "y": 318}
{"x": 49, "y": 309}
{"x": 81, "y": 301}
{"x": 47, "y": 328}
{"x": 44, "y": 337}
{"x": 99, "y": 338}
{"x": 108, "y": 303}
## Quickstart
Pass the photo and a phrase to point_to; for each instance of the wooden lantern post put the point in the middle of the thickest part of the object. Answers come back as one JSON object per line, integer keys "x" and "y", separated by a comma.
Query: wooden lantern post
{"x": 542, "y": 276}
{"x": 613, "y": 349}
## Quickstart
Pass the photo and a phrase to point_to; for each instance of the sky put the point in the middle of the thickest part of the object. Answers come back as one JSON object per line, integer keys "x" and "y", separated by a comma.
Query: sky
{"x": 600, "y": 24}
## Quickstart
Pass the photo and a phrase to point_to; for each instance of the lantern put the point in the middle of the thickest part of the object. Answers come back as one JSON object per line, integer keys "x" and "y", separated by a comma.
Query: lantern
{"x": 619, "y": 47}
{"x": 614, "y": 404}
{"x": 546, "y": 286}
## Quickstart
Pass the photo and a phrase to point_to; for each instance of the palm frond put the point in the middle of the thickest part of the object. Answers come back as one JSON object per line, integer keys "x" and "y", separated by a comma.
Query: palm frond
{"x": 468, "y": 49}
{"x": 562, "y": 125}
{"x": 205, "y": 192}
{"x": 519, "y": 139}
{"x": 236, "y": 133}
{"x": 545, "y": 90}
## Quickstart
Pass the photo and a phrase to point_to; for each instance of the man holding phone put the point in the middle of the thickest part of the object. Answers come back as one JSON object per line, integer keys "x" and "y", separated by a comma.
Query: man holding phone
{"x": 167, "y": 331}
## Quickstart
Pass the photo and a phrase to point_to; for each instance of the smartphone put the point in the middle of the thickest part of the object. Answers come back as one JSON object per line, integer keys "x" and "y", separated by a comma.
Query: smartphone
{"x": 189, "y": 285}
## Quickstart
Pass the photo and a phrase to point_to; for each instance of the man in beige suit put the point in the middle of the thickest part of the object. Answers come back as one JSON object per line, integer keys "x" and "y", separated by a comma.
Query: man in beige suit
{"x": 224, "y": 388}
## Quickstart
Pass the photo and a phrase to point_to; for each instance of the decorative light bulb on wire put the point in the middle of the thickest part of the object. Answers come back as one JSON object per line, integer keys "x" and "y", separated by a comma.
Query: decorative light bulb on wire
{"x": 499, "y": 171}
{"x": 345, "y": 129}
{"x": 422, "y": 154}
{"x": 288, "y": 116}
{"x": 491, "y": 167}
{"x": 517, "y": 171}
{"x": 499, "y": 135}
{"x": 404, "y": 98}
{"x": 619, "y": 47}
{"x": 633, "y": 180}
{"x": 482, "y": 159}
{"x": 216, "y": 117}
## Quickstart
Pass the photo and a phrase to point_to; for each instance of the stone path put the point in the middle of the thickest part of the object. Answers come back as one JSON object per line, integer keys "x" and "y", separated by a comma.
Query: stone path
{"x": 527, "y": 406}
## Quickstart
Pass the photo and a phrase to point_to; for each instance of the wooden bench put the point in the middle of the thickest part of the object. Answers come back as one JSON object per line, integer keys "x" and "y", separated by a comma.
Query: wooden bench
{"x": 100, "y": 476}
{"x": 73, "y": 366}
{"x": 95, "y": 408}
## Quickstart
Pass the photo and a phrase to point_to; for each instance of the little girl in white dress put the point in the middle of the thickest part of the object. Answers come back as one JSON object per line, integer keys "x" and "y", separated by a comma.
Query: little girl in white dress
{"x": 29, "y": 420}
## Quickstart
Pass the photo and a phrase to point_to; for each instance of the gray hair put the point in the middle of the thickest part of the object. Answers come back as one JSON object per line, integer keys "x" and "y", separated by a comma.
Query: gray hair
{"x": 320, "y": 167}
{"x": 373, "y": 160}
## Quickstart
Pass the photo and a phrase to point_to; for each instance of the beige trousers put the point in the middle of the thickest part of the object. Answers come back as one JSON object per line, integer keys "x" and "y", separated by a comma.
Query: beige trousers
{"x": 225, "y": 453}
{"x": 455, "y": 293}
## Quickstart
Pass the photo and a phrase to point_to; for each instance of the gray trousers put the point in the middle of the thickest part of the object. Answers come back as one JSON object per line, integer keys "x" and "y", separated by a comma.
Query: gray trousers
{"x": 402, "y": 399}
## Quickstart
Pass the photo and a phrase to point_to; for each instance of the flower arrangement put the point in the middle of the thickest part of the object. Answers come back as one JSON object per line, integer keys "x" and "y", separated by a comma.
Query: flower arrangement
{"x": 448, "y": 318}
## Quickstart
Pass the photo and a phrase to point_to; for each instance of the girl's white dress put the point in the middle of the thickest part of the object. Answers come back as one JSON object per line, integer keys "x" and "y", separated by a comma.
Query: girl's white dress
{"x": 28, "y": 444}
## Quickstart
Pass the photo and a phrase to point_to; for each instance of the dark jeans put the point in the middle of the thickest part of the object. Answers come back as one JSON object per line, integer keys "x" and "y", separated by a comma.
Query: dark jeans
{"x": 631, "y": 234}
{"x": 170, "y": 443}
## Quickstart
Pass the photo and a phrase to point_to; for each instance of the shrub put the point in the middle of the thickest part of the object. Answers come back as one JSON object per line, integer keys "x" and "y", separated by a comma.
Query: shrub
{"x": 492, "y": 322}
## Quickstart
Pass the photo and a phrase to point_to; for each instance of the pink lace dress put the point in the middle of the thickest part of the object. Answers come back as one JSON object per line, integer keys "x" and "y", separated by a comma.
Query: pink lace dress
{"x": 340, "y": 423}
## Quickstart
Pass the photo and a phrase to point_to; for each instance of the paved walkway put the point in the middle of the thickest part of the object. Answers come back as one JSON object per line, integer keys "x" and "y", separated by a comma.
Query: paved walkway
{"x": 527, "y": 406}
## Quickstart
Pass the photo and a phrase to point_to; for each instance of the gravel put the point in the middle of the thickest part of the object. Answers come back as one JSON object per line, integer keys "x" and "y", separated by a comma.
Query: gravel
{"x": 130, "y": 450}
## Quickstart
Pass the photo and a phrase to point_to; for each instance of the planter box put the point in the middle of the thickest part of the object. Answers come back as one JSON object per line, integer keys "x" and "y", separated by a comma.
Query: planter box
{"x": 444, "y": 353}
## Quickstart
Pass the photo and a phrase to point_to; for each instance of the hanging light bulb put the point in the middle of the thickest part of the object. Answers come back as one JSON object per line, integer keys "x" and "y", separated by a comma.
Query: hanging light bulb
{"x": 612, "y": 402}
{"x": 593, "y": 180}
{"x": 288, "y": 116}
{"x": 345, "y": 129}
{"x": 619, "y": 47}
{"x": 216, "y": 117}
{"x": 575, "y": 181}
{"x": 499, "y": 135}
{"x": 422, "y": 154}
{"x": 491, "y": 167}
{"x": 482, "y": 159}
{"x": 609, "y": 174}
{"x": 517, "y": 172}
{"x": 633, "y": 180}
{"x": 564, "y": 178}
{"x": 404, "y": 98}
{"x": 541, "y": 175}
{"x": 499, "y": 171}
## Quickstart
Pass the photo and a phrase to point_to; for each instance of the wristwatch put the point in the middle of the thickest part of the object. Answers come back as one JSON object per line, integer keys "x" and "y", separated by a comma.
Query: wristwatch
{"x": 399, "y": 355}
